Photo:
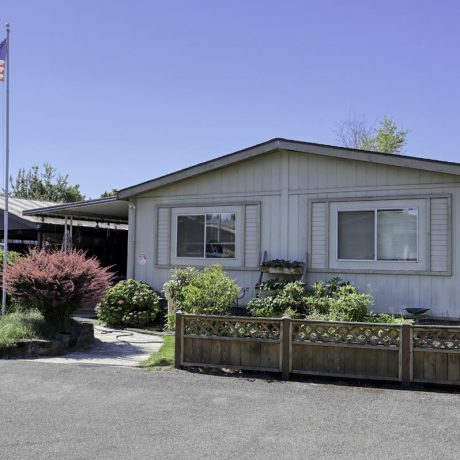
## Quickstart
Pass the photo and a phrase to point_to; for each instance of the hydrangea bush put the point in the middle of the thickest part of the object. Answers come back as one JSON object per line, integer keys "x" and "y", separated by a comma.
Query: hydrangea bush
{"x": 129, "y": 303}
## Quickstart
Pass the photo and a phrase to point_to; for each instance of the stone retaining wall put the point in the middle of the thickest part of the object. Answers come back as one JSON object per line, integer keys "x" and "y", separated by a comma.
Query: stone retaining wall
{"x": 77, "y": 337}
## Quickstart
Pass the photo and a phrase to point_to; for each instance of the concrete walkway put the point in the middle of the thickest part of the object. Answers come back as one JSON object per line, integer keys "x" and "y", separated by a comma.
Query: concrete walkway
{"x": 112, "y": 347}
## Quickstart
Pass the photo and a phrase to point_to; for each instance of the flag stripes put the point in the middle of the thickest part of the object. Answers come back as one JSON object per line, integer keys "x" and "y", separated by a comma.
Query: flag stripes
{"x": 3, "y": 52}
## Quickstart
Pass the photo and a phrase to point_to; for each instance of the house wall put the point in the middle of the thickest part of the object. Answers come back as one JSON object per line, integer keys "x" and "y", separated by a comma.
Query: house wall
{"x": 285, "y": 185}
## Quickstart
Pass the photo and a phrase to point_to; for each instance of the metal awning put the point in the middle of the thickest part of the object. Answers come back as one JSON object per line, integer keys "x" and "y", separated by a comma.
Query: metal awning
{"x": 110, "y": 210}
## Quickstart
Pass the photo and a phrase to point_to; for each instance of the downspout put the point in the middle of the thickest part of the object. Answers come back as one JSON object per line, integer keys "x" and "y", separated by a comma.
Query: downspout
{"x": 130, "y": 270}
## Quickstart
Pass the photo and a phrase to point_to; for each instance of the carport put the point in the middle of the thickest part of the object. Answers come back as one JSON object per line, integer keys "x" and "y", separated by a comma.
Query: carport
{"x": 106, "y": 232}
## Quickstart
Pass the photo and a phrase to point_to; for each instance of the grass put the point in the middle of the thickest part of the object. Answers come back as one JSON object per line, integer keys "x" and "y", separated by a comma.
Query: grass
{"x": 24, "y": 325}
{"x": 164, "y": 357}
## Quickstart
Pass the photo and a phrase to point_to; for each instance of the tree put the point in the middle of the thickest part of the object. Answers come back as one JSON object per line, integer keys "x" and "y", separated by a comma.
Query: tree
{"x": 387, "y": 137}
{"x": 46, "y": 185}
{"x": 352, "y": 132}
{"x": 108, "y": 194}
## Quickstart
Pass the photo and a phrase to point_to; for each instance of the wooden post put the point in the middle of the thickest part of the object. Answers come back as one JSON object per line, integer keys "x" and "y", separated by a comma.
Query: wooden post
{"x": 405, "y": 354}
{"x": 285, "y": 347}
{"x": 178, "y": 340}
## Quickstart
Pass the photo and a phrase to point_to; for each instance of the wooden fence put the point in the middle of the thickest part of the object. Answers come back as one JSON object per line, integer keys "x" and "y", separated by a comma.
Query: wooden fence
{"x": 401, "y": 353}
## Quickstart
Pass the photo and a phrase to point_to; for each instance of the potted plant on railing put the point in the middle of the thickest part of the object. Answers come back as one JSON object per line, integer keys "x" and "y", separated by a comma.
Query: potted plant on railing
{"x": 283, "y": 267}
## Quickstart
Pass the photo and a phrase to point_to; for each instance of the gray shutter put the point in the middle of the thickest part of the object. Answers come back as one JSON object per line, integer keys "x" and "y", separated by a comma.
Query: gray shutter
{"x": 251, "y": 235}
{"x": 440, "y": 234}
{"x": 163, "y": 235}
{"x": 319, "y": 235}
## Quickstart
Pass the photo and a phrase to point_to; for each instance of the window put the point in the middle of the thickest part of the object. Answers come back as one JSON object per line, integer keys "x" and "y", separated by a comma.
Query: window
{"x": 378, "y": 235}
{"x": 210, "y": 236}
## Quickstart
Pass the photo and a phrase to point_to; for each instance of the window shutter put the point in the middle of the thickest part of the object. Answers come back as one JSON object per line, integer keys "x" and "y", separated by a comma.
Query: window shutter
{"x": 319, "y": 235}
{"x": 251, "y": 235}
{"x": 440, "y": 234}
{"x": 163, "y": 235}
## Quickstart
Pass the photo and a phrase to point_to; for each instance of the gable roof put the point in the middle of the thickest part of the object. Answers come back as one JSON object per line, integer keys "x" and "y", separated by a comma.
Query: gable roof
{"x": 391, "y": 159}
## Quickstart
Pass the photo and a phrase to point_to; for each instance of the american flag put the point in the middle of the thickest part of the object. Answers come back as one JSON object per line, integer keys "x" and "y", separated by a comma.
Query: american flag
{"x": 3, "y": 51}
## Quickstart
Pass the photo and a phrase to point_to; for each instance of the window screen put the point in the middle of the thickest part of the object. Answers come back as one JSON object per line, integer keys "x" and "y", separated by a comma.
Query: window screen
{"x": 220, "y": 235}
{"x": 206, "y": 236}
{"x": 190, "y": 236}
{"x": 397, "y": 234}
{"x": 395, "y": 237}
{"x": 356, "y": 231}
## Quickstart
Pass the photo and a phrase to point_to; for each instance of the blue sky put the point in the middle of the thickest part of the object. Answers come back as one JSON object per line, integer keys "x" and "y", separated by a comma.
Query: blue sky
{"x": 116, "y": 92}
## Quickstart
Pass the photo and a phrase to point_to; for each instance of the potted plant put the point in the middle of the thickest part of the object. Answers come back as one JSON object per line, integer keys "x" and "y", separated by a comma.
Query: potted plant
{"x": 281, "y": 266}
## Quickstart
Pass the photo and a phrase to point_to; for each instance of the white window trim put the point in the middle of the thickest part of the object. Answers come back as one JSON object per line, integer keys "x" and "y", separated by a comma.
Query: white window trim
{"x": 375, "y": 210}
{"x": 235, "y": 262}
{"x": 379, "y": 265}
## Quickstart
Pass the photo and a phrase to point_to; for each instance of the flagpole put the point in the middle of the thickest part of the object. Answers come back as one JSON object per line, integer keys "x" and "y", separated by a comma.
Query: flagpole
{"x": 7, "y": 166}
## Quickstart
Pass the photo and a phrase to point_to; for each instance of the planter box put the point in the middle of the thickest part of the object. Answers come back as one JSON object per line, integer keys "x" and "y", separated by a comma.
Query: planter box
{"x": 282, "y": 270}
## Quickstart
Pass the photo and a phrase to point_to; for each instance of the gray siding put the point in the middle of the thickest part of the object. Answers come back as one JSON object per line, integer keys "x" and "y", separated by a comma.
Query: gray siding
{"x": 319, "y": 235}
{"x": 163, "y": 235}
{"x": 440, "y": 234}
{"x": 286, "y": 199}
{"x": 252, "y": 236}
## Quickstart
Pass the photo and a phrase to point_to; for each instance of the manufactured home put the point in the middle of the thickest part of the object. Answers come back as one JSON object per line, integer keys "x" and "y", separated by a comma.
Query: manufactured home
{"x": 388, "y": 223}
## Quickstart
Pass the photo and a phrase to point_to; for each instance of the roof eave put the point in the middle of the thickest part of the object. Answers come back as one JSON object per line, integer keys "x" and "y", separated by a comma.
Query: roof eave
{"x": 295, "y": 146}
{"x": 201, "y": 168}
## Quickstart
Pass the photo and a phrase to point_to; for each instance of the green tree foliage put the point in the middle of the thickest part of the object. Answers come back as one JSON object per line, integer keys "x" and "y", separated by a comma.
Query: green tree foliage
{"x": 387, "y": 137}
{"x": 108, "y": 194}
{"x": 44, "y": 185}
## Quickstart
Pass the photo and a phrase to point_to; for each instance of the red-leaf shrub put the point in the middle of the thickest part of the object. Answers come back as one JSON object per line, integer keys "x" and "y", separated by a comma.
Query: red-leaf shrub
{"x": 57, "y": 283}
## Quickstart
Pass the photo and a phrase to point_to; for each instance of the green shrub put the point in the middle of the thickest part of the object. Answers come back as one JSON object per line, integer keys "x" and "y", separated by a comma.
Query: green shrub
{"x": 265, "y": 307}
{"x": 274, "y": 284}
{"x": 335, "y": 300}
{"x": 13, "y": 256}
{"x": 319, "y": 302}
{"x": 57, "y": 283}
{"x": 210, "y": 292}
{"x": 386, "y": 318}
{"x": 349, "y": 305}
{"x": 291, "y": 313}
{"x": 292, "y": 296}
{"x": 171, "y": 321}
{"x": 290, "y": 301}
{"x": 130, "y": 303}
{"x": 180, "y": 278}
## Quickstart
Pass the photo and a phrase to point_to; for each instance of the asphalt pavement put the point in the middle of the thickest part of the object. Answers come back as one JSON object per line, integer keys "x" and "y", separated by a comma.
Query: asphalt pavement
{"x": 56, "y": 411}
